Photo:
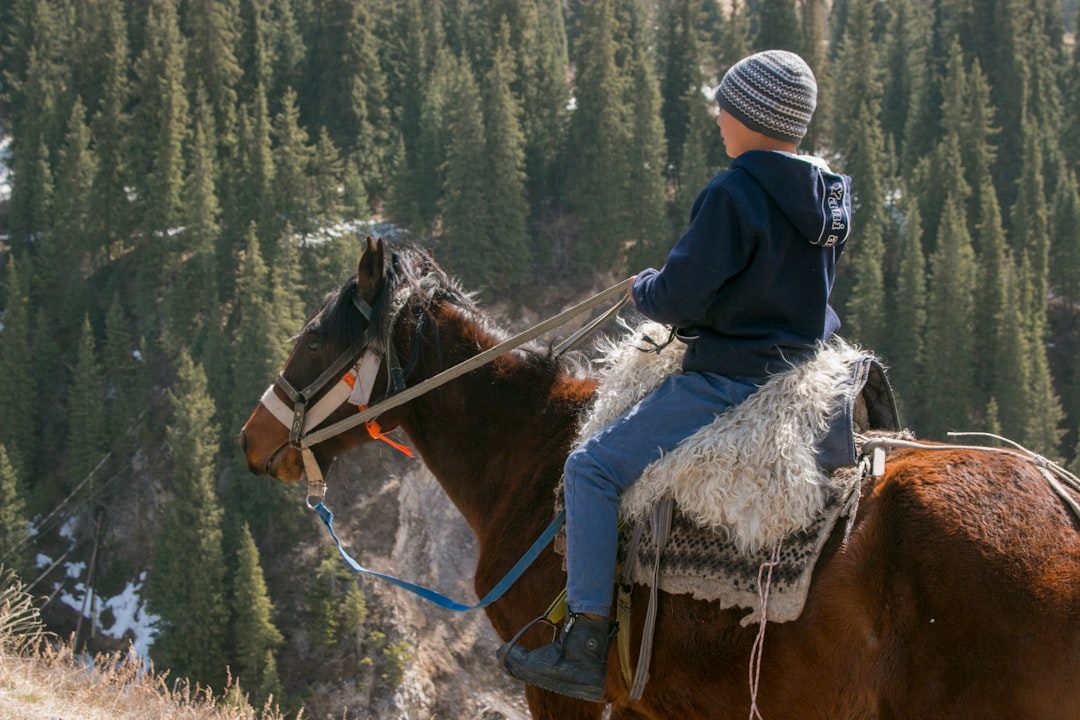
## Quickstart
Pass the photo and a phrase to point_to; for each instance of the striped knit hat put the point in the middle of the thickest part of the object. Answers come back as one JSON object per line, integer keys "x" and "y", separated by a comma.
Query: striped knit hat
{"x": 772, "y": 92}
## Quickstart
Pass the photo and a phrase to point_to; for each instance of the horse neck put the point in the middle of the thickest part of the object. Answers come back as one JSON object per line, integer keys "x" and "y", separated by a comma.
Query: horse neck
{"x": 495, "y": 438}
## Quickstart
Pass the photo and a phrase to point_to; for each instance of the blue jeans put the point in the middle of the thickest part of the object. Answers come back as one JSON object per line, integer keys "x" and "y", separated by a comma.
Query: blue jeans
{"x": 604, "y": 466}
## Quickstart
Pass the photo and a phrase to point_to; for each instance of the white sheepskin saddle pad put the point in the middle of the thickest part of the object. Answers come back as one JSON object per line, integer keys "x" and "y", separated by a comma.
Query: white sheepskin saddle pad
{"x": 775, "y": 473}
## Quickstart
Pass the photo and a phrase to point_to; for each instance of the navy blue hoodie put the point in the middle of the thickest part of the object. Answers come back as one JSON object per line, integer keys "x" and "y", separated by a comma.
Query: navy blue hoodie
{"x": 748, "y": 285}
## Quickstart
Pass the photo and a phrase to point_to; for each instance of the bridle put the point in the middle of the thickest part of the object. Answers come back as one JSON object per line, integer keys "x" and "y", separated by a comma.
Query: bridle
{"x": 354, "y": 371}
{"x": 359, "y": 376}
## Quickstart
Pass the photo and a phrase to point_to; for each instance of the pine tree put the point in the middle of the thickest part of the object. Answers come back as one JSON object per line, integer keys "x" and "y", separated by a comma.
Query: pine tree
{"x": 943, "y": 172}
{"x": 736, "y": 42}
{"x": 286, "y": 288}
{"x": 464, "y": 243}
{"x": 191, "y": 293}
{"x": 1012, "y": 362}
{"x": 859, "y": 138}
{"x": 250, "y": 196}
{"x": 1070, "y": 130}
{"x": 293, "y": 154}
{"x": 947, "y": 376}
{"x": 257, "y": 639}
{"x": 119, "y": 365}
{"x": 1065, "y": 241}
{"x": 907, "y": 106}
{"x": 1031, "y": 237}
{"x": 161, "y": 115}
{"x": 109, "y": 127}
{"x": 542, "y": 85}
{"x": 49, "y": 423}
{"x": 907, "y": 317}
{"x": 327, "y": 177}
{"x": 87, "y": 442}
{"x": 995, "y": 274}
{"x": 213, "y": 29}
{"x": 255, "y": 51}
{"x": 813, "y": 51}
{"x": 406, "y": 64}
{"x": 31, "y": 190}
{"x": 1006, "y": 59}
{"x": 62, "y": 252}
{"x": 647, "y": 227}
{"x": 680, "y": 64}
{"x": 14, "y": 551}
{"x": 192, "y": 605}
{"x": 346, "y": 88}
{"x": 19, "y": 411}
{"x": 507, "y": 213}
{"x": 288, "y": 51}
{"x": 599, "y": 134}
{"x": 977, "y": 132}
{"x": 777, "y": 26}
{"x": 416, "y": 194}
{"x": 72, "y": 207}
{"x": 38, "y": 110}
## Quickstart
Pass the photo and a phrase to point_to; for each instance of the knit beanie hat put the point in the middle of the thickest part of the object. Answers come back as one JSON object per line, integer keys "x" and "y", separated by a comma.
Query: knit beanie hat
{"x": 772, "y": 92}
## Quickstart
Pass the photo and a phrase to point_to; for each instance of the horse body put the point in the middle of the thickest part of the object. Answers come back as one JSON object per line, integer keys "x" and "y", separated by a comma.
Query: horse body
{"x": 957, "y": 593}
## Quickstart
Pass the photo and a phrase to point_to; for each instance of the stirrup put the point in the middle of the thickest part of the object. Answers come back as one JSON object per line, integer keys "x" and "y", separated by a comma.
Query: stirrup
{"x": 507, "y": 646}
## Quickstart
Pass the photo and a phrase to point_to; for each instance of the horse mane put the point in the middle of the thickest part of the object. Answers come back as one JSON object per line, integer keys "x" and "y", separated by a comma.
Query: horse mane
{"x": 412, "y": 275}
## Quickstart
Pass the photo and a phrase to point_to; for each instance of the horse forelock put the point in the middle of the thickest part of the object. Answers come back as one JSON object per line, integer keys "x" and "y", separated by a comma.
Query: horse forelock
{"x": 337, "y": 320}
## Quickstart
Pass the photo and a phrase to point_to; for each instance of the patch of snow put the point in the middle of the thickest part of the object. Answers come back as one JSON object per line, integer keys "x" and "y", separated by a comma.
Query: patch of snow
{"x": 356, "y": 228}
{"x": 67, "y": 530}
{"x": 130, "y": 618}
{"x": 5, "y": 164}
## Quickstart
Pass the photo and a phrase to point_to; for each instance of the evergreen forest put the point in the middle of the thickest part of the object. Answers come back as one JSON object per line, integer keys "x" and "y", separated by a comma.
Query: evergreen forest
{"x": 185, "y": 179}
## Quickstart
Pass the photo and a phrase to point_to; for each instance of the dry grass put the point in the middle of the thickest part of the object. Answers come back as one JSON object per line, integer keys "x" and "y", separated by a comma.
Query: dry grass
{"x": 42, "y": 678}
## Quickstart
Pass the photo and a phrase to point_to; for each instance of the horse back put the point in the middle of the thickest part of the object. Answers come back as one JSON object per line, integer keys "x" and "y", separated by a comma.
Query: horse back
{"x": 964, "y": 574}
{"x": 955, "y": 595}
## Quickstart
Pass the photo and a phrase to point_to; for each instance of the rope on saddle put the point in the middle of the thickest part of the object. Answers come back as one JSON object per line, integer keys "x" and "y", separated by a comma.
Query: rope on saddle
{"x": 1056, "y": 476}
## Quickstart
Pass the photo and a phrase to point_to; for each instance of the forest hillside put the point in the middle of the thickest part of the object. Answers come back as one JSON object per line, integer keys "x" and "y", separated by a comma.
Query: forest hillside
{"x": 182, "y": 180}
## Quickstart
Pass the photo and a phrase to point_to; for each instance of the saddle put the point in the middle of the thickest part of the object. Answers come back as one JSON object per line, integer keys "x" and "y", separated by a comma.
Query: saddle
{"x": 762, "y": 486}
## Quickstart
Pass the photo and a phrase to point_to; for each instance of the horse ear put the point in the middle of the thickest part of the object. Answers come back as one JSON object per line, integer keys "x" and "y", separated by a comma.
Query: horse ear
{"x": 370, "y": 269}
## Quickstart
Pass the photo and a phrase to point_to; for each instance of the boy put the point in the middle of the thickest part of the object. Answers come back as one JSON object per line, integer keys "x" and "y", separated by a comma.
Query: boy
{"x": 747, "y": 288}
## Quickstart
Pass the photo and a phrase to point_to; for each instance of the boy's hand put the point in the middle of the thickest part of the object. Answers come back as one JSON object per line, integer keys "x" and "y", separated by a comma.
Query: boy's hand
{"x": 630, "y": 287}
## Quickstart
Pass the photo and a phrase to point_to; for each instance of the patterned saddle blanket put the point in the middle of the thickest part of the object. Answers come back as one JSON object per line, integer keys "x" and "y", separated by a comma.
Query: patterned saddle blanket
{"x": 773, "y": 475}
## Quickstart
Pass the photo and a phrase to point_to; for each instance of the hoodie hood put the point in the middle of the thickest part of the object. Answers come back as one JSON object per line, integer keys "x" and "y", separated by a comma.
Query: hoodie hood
{"x": 816, "y": 200}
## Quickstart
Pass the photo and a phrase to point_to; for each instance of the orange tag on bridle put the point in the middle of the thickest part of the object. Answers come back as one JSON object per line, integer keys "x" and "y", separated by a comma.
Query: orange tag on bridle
{"x": 372, "y": 426}
{"x": 376, "y": 433}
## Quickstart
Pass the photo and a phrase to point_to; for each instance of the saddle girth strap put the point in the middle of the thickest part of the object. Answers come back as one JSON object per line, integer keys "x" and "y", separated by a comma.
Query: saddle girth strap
{"x": 660, "y": 521}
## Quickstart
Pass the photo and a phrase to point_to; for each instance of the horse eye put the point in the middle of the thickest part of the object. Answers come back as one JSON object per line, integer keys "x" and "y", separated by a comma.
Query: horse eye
{"x": 313, "y": 343}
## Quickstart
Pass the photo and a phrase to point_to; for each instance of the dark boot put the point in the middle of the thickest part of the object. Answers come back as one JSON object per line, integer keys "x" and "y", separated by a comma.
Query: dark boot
{"x": 574, "y": 665}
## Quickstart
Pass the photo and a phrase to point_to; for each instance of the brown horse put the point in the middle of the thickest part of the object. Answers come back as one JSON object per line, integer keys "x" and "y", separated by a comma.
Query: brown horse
{"x": 956, "y": 595}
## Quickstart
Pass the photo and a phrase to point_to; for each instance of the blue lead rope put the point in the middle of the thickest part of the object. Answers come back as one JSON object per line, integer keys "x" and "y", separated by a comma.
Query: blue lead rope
{"x": 439, "y": 599}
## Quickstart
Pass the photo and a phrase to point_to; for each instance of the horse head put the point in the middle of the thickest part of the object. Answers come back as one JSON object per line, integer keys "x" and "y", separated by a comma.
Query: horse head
{"x": 338, "y": 348}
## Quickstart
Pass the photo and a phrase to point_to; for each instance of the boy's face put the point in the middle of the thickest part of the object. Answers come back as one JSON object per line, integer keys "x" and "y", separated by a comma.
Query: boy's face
{"x": 735, "y": 135}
